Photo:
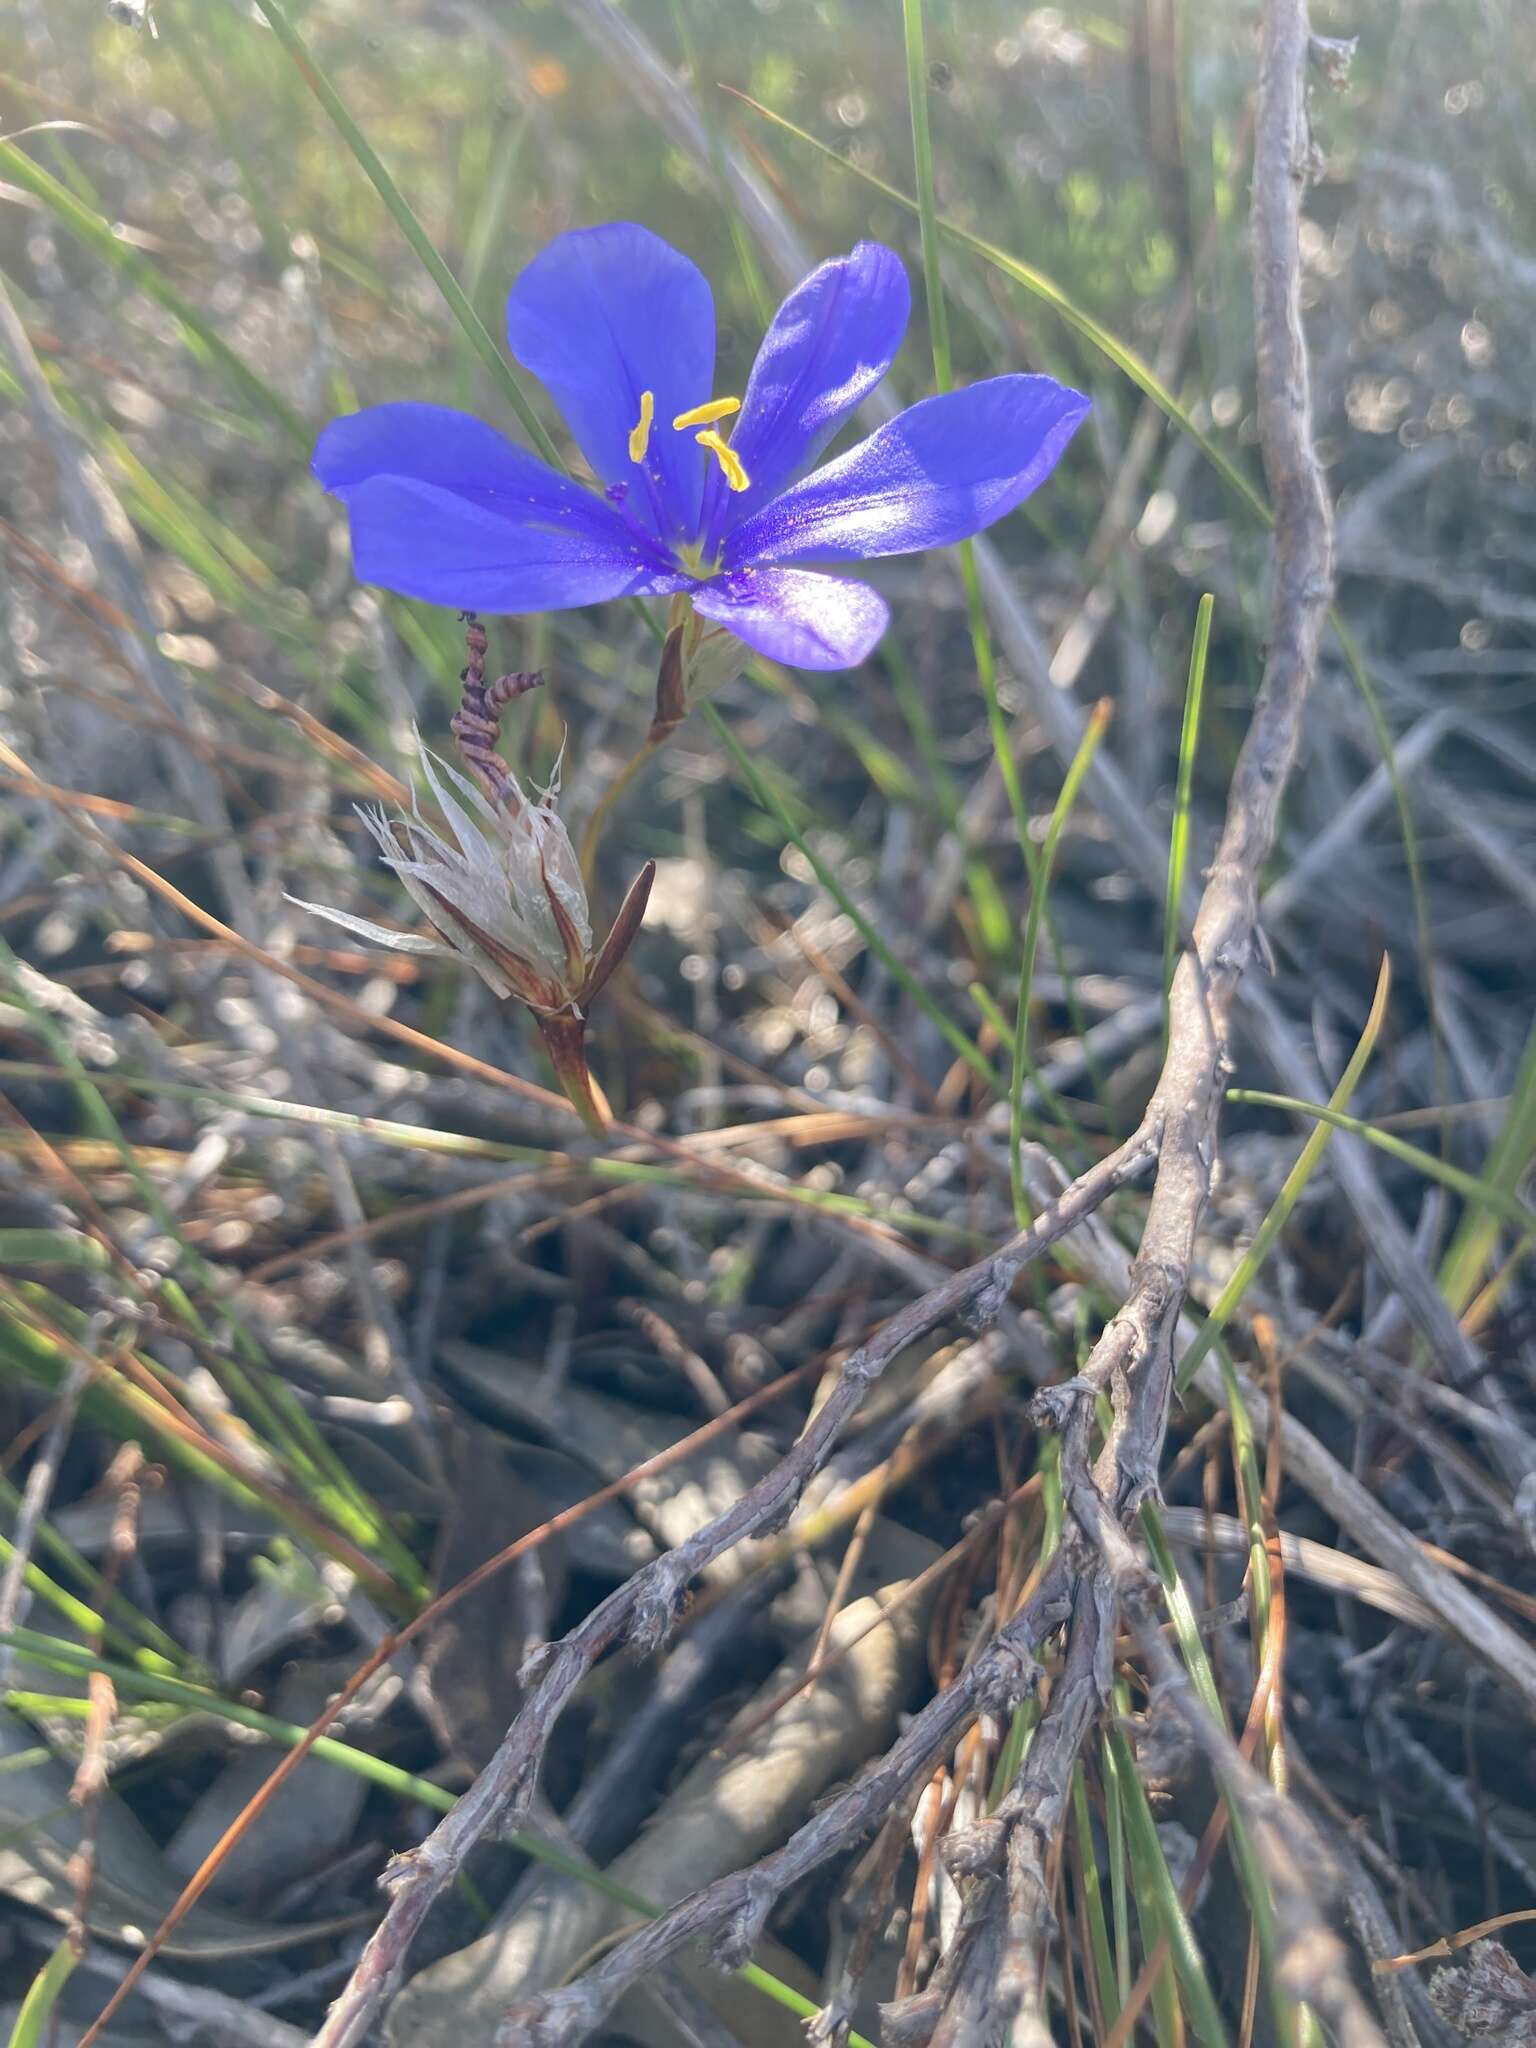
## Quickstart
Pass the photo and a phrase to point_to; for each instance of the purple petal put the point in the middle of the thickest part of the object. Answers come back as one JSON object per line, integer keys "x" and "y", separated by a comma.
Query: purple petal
{"x": 938, "y": 473}
{"x": 831, "y": 342}
{"x": 796, "y": 616}
{"x": 600, "y": 316}
{"x": 444, "y": 509}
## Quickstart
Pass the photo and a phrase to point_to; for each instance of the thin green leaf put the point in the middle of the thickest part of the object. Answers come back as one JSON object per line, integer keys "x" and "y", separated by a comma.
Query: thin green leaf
{"x": 51, "y": 1653}
{"x": 1072, "y": 782}
{"x": 1289, "y": 2015}
{"x": 1307, "y": 1162}
{"x": 97, "y": 234}
{"x": 42, "y": 1996}
{"x": 1093, "y": 1900}
{"x": 1493, "y": 1195}
{"x": 898, "y": 969}
{"x": 741, "y": 240}
{"x": 1484, "y": 1194}
{"x": 1178, "y": 843}
{"x": 1158, "y": 1905}
{"x": 943, "y": 378}
{"x": 1119, "y": 1871}
{"x": 101, "y": 1597}
{"x": 369, "y": 162}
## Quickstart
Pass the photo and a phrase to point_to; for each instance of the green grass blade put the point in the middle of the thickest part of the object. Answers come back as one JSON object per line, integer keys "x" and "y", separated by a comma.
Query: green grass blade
{"x": 994, "y": 926}
{"x": 1119, "y": 1870}
{"x": 1476, "y": 1240}
{"x": 369, "y": 162}
{"x": 1485, "y": 1195}
{"x": 943, "y": 377}
{"x": 1307, "y": 1162}
{"x": 1093, "y": 1900}
{"x": 927, "y": 208}
{"x": 490, "y": 213}
{"x": 1159, "y": 1907}
{"x": 1072, "y": 782}
{"x": 24, "y": 1760}
{"x": 96, "y": 233}
{"x": 770, "y": 801}
{"x": 51, "y": 1653}
{"x": 1413, "y": 857}
{"x": 187, "y": 45}
{"x": 741, "y": 240}
{"x": 42, "y": 1996}
{"x": 101, "y": 1596}
{"x": 1255, "y": 1884}
{"x": 85, "y": 1618}
{"x": 1026, "y": 1715}
{"x": 990, "y": 1009}
{"x": 1178, "y": 843}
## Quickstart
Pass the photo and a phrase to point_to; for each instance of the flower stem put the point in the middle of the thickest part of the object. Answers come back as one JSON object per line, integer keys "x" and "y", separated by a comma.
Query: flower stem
{"x": 591, "y": 839}
{"x": 564, "y": 1034}
{"x": 671, "y": 710}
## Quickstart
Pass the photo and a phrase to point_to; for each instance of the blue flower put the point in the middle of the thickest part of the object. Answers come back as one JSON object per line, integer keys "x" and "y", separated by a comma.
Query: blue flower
{"x": 620, "y": 329}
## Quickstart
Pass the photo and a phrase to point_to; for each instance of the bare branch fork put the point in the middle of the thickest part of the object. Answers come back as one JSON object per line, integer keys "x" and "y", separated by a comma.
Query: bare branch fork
{"x": 999, "y": 1962}
{"x": 642, "y": 1610}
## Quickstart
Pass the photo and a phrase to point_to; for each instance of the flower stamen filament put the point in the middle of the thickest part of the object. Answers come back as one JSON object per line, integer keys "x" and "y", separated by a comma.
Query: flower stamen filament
{"x": 708, "y": 414}
{"x": 640, "y": 432}
{"x": 730, "y": 462}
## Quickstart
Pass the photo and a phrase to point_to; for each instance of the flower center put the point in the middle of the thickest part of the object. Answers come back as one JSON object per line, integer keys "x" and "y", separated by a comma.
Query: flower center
{"x": 704, "y": 417}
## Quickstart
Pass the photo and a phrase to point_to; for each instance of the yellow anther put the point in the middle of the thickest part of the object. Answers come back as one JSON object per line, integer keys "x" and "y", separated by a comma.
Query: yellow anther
{"x": 727, "y": 458}
{"x": 640, "y": 432}
{"x": 706, "y": 415}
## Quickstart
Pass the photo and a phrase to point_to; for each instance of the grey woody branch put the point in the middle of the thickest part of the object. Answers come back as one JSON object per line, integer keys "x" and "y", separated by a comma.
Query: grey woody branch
{"x": 642, "y": 1610}
{"x": 991, "y": 1982}
{"x": 731, "y": 1913}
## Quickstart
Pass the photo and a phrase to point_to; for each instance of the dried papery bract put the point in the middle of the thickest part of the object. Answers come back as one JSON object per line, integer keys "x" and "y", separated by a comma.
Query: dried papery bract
{"x": 697, "y": 659}
{"x": 501, "y": 886}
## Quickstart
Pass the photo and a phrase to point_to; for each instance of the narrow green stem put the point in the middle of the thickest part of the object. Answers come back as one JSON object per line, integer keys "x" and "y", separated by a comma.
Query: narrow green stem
{"x": 372, "y": 166}
{"x": 1178, "y": 844}
{"x": 763, "y": 793}
{"x": 597, "y": 824}
{"x": 1307, "y": 1161}
{"x": 1093, "y": 732}
{"x": 943, "y": 378}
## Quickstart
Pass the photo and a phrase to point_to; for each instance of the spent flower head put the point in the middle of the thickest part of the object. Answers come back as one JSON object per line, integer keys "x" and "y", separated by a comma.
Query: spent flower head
{"x": 701, "y": 498}
{"x": 501, "y": 886}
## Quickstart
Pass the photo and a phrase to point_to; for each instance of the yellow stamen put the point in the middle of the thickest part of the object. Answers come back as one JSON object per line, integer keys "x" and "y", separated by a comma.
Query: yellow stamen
{"x": 727, "y": 458}
{"x": 706, "y": 415}
{"x": 640, "y": 432}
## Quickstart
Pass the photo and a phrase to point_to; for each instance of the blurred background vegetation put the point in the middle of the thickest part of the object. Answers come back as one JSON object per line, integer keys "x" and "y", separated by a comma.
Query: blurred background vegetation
{"x": 371, "y": 1313}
